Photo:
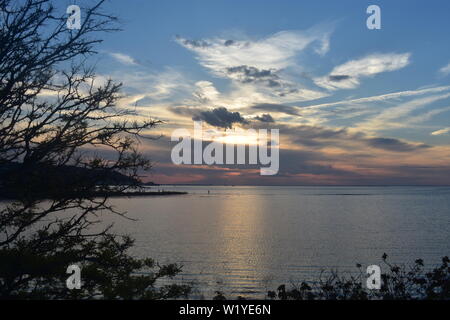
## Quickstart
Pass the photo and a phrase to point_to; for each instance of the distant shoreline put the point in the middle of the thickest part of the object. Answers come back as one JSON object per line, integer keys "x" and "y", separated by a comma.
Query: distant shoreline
{"x": 113, "y": 195}
{"x": 287, "y": 185}
{"x": 145, "y": 193}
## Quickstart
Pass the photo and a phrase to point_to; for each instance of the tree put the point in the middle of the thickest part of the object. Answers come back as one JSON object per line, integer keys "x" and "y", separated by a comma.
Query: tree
{"x": 53, "y": 111}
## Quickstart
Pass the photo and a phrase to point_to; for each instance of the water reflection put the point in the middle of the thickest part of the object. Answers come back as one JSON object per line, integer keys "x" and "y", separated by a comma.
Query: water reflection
{"x": 243, "y": 233}
{"x": 243, "y": 240}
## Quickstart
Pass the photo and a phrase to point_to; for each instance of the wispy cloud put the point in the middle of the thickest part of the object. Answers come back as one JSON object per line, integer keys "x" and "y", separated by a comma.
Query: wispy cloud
{"x": 273, "y": 52}
{"x": 260, "y": 64}
{"x": 383, "y": 97}
{"x": 361, "y": 110}
{"x": 206, "y": 92}
{"x": 445, "y": 70}
{"x": 168, "y": 84}
{"x": 348, "y": 75}
{"x": 440, "y": 132}
{"x": 391, "y": 117}
{"x": 123, "y": 58}
{"x": 425, "y": 116}
{"x": 279, "y": 108}
{"x": 319, "y": 137}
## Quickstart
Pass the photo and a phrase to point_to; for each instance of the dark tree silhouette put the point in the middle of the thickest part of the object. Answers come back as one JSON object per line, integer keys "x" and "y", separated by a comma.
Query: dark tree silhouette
{"x": 53, "y": 110}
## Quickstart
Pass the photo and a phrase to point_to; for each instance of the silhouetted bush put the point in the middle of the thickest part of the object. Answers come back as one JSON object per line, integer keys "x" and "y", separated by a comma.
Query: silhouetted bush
{"x": 398, "y": 283}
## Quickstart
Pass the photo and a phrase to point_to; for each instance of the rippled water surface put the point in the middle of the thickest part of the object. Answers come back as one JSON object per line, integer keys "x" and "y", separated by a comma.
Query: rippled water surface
{"x": 245, "y": 240}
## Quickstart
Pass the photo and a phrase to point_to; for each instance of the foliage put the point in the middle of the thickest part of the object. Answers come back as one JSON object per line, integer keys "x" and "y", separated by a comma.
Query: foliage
{"x": 398, "y": 283}
{"x": 56, "y": 114}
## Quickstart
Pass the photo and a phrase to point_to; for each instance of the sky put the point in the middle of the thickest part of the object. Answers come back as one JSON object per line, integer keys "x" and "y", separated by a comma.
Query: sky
{"x": 353, "y": 106}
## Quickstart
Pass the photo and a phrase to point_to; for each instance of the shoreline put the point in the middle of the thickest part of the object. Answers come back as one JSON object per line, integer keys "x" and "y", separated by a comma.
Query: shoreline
{"x": 145, "y": 193}
{"x": 111, "y": 195}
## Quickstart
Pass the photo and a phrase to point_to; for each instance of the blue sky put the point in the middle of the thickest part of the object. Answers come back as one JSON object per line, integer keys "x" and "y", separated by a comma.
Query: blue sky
{"x": 313, "y": 66}
{"x": 420, "y": 27}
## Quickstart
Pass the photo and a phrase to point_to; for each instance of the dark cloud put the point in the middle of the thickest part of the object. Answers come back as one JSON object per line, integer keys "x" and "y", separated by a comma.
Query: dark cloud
{"x": 273, "y": 83}
{"x": 313, "y": 136}
{"x": 251, "y": 71}
{"x": 265, "y": 118}
{"x": 337, "y": 78}
{"x": 184, "y": 111}
{"x": 228, "y": 43}
{"x": 302, "y": 166}
{"x": 288, "y": 91}
{"x": 391, "y": 144}
{"x": 248, "y": 74}
{"x": 193, "y": 43}
{"x": 220, "y": 117}
{"x": 318, "y": 137}
{"x": 294, "y": 162}
{"x": 276, "y": 108}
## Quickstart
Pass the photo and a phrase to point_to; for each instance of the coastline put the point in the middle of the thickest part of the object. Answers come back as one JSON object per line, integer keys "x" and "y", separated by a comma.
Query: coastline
{"x": 113, "y": 195}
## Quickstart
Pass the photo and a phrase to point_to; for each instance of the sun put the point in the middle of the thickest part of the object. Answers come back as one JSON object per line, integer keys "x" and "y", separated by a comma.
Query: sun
{"x": 238, "y": 139}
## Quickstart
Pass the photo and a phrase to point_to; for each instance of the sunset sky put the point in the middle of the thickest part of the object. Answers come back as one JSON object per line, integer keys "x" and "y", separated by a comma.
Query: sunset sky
{"x": 354, "y": 106}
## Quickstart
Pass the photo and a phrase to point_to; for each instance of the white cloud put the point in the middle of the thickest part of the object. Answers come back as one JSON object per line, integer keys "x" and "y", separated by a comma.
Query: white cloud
{"x": 441, "y": 132}
{"x": 426, "y": 116}
{"x": 206, "y": 92}
{"x": 347, "y": 75}
{"x": 147, "y": 88}
{"x": 393, "y": 110}
{"x": 259, "y": 64}
{"x": 392, "y": 117}
{"x": 445, "y": 70}
{"x": 123, "y": 58}
{"x": 383, "y": 97}
{"x": 274, "y": 52}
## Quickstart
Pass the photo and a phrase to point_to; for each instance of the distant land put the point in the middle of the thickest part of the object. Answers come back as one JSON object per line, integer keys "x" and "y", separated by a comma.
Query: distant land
{"x": 18, "y": 181}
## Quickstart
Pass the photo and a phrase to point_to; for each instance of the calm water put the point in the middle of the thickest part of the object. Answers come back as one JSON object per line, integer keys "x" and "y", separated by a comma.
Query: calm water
{"x": 246, "y": 240}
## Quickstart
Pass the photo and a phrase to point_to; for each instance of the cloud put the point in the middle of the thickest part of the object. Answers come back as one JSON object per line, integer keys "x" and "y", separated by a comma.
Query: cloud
{"x": 445, "y": 70}
{"x": 303, "y": 162}
{"x": 383, "y": 97}
{"x": 390, "y": 118}
{"x": 206, "y": 92}
{"x": 184, "y": 111}
{"x": 247, "y": 74}
{"x": 316, "y": 136}
{"x": 373, "y": 112}
{"x": 168, "y": 85}
{"x": 422, "y": 117}
{"x": 440, "y": 132}
{"x": 396, "y": 145}
{"x": 220, "y": 117}
{"x": 347, "y": 158}
{"x": 279, "y": 50}
{"x": 262, "y": 63}
{"x": 123, "y": 58}
{"x": 265, "y": 117}
{"x": 199, "y": 44}
{"x": 348, "y": 75}
{"x": 276, "y": 108}
{"x": 334, "y": 78}
{"x": 322, "y": 137}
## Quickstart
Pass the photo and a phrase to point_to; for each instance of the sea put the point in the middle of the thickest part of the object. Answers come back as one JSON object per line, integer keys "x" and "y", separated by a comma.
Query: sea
{"x": 246, "y": 240}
